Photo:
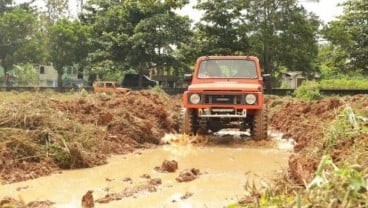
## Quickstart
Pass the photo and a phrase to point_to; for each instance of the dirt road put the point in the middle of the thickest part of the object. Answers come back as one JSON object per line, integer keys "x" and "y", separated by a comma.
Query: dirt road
{"x": 224, "y": 170}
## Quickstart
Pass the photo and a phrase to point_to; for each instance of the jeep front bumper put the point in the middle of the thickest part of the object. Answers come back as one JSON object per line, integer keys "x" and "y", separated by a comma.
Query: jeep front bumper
{"x": 222, "y": 113}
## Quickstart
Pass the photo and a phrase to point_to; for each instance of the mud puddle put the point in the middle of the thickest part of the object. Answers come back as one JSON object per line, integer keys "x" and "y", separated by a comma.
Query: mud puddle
{"x": 224, "y": 169}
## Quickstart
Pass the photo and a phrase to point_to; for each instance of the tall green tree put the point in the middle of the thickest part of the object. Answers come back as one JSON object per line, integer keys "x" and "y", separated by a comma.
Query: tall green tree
{"x": 136, "y": 34}
{"x": 56, "y": 9}
{"x": 280, "y": 32}
{"x": 19, "y": 42}
{"x": 68, "y": 44}
{"x": 5, "y": 5}
{"x": 221, "y": 29}
{"x": 348, "y": 36}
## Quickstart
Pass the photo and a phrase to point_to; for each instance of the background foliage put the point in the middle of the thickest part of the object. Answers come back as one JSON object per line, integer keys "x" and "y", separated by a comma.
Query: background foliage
{"x": 117, "y": 36}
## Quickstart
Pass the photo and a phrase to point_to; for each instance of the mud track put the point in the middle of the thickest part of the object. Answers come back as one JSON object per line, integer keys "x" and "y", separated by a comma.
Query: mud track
{"x": 42, "y": 135}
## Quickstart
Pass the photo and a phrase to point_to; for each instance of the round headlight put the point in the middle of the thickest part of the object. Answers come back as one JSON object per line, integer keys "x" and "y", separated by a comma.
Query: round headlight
{"x": 250, "y": 99}
{"x": 194, "y": 98}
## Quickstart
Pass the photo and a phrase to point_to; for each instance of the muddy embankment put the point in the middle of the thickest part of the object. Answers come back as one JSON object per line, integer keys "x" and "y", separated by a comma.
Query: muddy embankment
{"x": 41, "y": 134}
{"x": 308, "y": 123}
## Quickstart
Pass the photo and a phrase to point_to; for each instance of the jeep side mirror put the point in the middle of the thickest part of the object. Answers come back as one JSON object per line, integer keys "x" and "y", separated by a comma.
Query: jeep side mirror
{"x": 188, "y": 77}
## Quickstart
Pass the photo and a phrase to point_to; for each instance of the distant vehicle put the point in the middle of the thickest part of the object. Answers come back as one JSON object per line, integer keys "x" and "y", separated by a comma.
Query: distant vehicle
{"x": 108, "y": 86}
{"x": 132, "y": 81}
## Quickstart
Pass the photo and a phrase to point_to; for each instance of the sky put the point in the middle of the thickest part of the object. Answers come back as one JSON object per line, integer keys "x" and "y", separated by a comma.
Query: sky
{"x": 327, "y": 10}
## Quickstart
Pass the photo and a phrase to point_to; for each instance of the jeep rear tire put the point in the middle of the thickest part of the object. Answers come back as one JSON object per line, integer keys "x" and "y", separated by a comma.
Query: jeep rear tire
{"x": 187, "y": 125}
{"x": 259, "y": 126}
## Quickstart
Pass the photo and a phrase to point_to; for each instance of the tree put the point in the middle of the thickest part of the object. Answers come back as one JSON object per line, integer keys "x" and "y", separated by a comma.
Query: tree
{"x": 19, "y": 42}
{"x": 5, "y": 5}
{"x": 68, "y": 44}
{"x": 136, "y": 34}
{"x": 279, "y": 32}
{"x": 221, "y": 30}
{"x": 56, "y": 9}
{"x": 348, "y": 36}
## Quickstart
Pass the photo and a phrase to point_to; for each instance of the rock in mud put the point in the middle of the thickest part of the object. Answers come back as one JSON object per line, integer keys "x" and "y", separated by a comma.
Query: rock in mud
{"x": 127, "y": 179}
{"x": 109, "y": 197}
{"x": 10, "y": 202}
{"x": 87, "y": 200}
{"x": 168, "y": 166}
{"x": 40, "y": 204}
{"x": 188, "y": 175}
{"x": 186, "y": 195}
{"x": 155, "y": 181}
{"x": 131, "y": 191}
{"x": 146, "y": 176}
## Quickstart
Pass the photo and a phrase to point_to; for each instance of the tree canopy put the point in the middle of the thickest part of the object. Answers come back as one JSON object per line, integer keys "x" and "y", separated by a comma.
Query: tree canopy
{"x": 135, "y": 34}
{"x": 348, "y": 38}
{"x": 281, "y": 33}
{"x": 141, "y": 35}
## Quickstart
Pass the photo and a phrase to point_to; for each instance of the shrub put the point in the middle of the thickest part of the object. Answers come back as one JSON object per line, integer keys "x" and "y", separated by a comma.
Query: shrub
{"x": 308, "y": 91}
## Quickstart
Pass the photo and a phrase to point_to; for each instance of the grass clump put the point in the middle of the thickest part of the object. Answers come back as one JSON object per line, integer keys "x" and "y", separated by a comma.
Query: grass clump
{"x": 308, "y": 91}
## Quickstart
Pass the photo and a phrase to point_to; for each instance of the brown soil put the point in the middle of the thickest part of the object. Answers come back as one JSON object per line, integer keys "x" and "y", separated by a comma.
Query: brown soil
{"x": 155, "y": 181}
{"x": 10, "y": 202}
{"x": 188, "y": 175}
{"x": 306, "y": 123}
{"x": 87, "y": 200}
{"x": 168, "y": 166}
{"x": 130, "y": 191}
{"x": 40, "y": 134}
{"x": 186, "y": 195}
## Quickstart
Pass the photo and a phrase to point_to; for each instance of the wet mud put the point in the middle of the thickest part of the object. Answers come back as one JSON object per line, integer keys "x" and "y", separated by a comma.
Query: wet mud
{"x": 202, "y": 175}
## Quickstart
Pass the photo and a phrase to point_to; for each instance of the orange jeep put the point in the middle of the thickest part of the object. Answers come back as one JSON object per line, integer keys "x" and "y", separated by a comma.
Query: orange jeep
{"x": 225, "y": 92}
{"x": 108, "y": 86}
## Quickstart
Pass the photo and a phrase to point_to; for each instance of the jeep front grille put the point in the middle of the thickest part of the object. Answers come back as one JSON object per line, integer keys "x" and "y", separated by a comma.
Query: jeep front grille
{"x": 223, "y": 99}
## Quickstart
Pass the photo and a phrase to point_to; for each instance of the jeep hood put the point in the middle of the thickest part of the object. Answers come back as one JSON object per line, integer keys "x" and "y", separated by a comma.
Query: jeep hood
{"x": 225, "y": 86}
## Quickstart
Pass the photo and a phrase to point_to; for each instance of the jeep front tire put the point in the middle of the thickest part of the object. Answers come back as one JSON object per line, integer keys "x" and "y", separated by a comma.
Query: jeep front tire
{"x": 187, "y": 125}
{"x": 259, "y": 124}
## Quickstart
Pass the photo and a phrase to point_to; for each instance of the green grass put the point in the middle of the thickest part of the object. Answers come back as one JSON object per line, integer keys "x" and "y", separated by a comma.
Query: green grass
{"x": 341, "y": 180}
{"x": 344, "y": 83}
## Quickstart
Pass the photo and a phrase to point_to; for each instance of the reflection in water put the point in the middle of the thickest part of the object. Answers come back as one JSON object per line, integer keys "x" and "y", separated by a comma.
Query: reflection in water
{"x": 225, "y": 168}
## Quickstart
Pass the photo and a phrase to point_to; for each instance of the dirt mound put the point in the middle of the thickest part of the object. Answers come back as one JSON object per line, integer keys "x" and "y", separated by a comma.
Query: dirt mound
{"x": 155, "y": 181}
{"x": 306, "y": 122}
{"x": 87, "y": 200}
{"x": 40, "y": 134}
{"x": 130, "y": 191}
{"x": 188, "y": 175}
{"x": 168, "y": 166}
{"x": 140, "y": 115}
{"x": 10, "y": 202}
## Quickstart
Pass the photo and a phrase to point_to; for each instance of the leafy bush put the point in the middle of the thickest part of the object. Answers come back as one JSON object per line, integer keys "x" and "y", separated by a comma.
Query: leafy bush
{"x": 337, "y": 187}
{"x": 308, "y": 91}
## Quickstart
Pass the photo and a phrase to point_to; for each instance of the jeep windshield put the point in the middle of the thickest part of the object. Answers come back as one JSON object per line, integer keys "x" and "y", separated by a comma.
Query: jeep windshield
{"x": 228, "y": 69}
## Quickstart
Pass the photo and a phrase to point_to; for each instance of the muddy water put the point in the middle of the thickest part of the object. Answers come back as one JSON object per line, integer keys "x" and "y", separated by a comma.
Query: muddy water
{"x": 225, "y": 169}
